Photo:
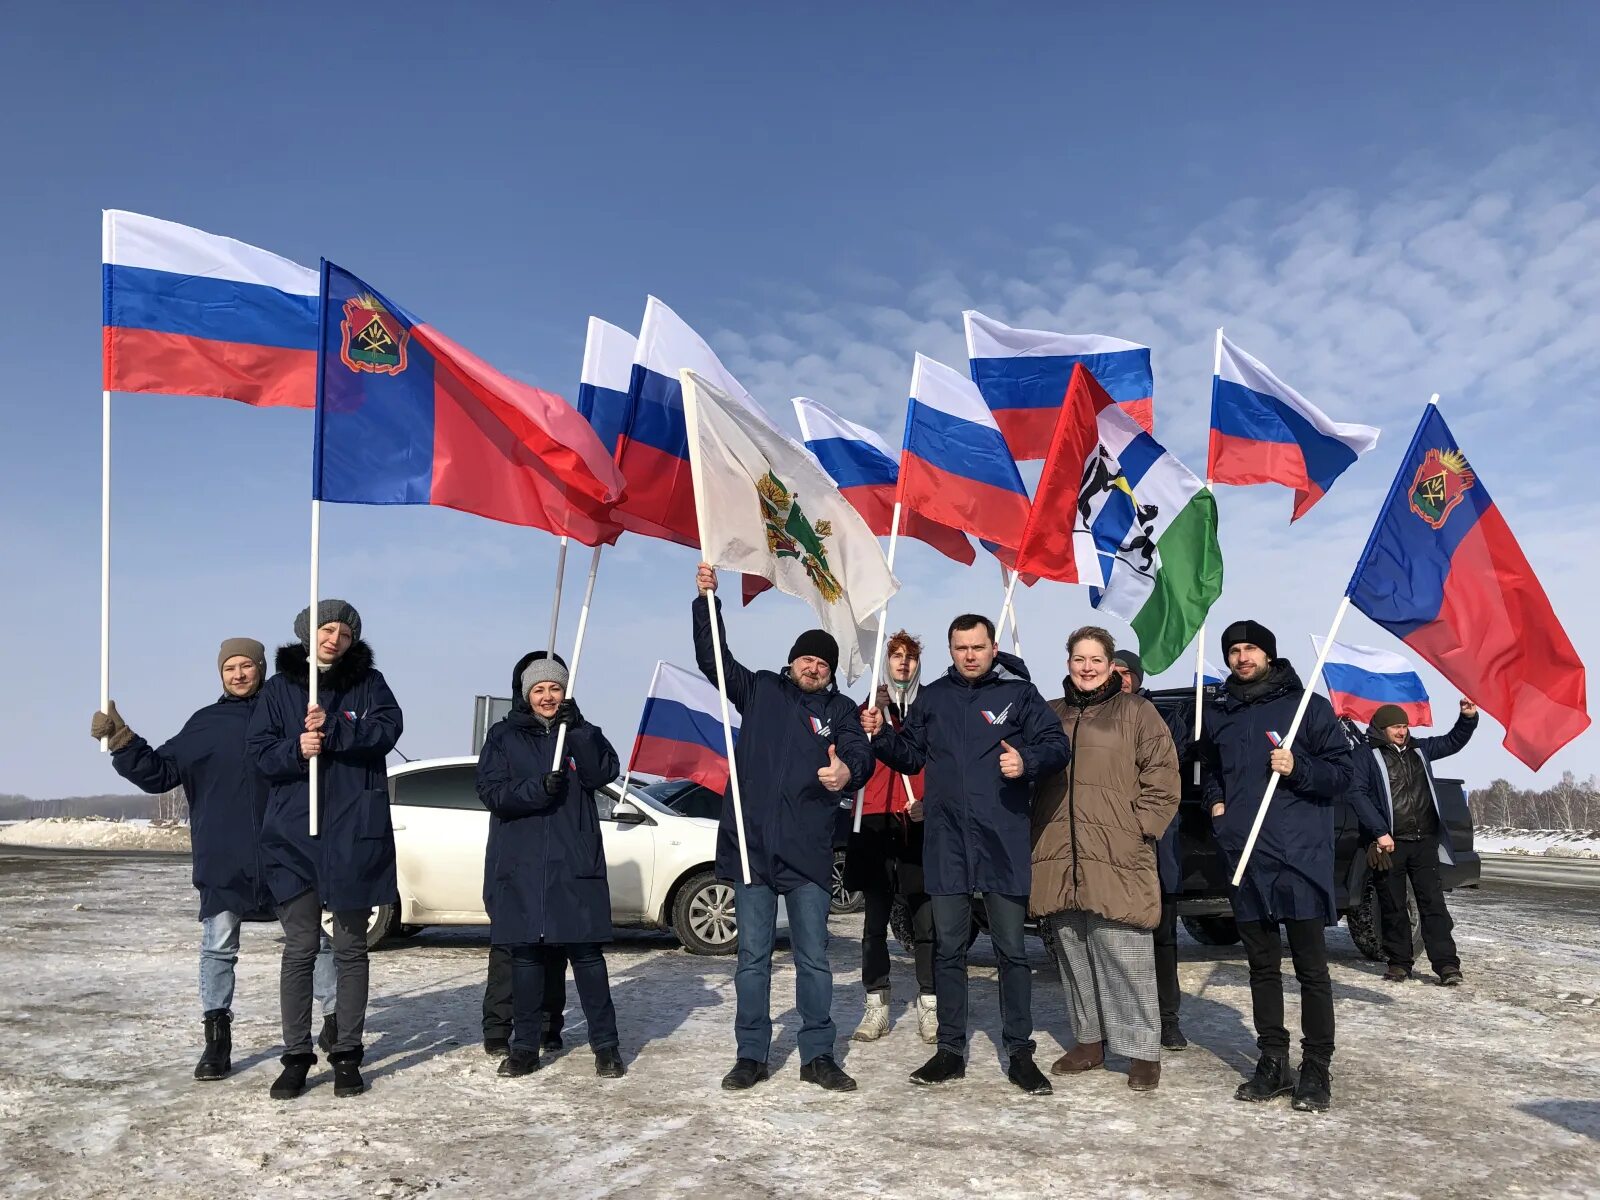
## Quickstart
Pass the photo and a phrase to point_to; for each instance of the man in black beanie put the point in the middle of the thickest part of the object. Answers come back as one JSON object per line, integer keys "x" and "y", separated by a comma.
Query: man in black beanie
{"x": 800, "y": 753}
{"x": 1288, "y": 881}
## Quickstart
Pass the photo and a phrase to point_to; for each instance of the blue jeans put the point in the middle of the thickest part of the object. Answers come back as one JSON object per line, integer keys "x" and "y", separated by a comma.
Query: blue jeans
{"x": 757, "y": 910}
{"x": 952, "y": 925}
{"x": 219, "y": 951}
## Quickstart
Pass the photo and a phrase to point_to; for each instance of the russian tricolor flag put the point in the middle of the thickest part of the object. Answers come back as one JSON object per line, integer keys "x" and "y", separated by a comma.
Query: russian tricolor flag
{"x": 192, "y": 314}
{"x": 653, "y": 446}
{"x": 405, "y": 415}
{"x": 680, "y": 733}
{"x": 1362, "y": 679}
{"x": 1263, "y": 431}
{"x": 603, "y": 384}
{"x": 1023, "y": 375}
{"x": 864, "y": 469}
{"x": 955, "y": 467}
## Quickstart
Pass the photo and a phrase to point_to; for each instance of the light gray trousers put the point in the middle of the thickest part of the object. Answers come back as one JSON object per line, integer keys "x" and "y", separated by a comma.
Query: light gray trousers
{"x": 1108, "y": 970}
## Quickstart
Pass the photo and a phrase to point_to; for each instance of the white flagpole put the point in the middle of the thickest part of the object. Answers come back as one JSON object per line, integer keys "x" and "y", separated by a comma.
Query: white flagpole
{"x": 313, "y": 680}
{"x": 1016, "y": 630}
{"x": 691, "y": 413}
{"x": 577, "y": 651}
{"x": 555, "y": 605}
{"x": 1200, "y": 638}
{"x": 1005, "y": 607}
{"x": 877, "y": 652}
{"x": 105, "y": 559}
{"x": 1288, "y": 739}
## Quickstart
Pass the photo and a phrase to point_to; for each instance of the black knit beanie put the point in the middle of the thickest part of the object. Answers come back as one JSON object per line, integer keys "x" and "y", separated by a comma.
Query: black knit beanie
{"x": 817, "y": 643}
{"x": 1251, "y": 633}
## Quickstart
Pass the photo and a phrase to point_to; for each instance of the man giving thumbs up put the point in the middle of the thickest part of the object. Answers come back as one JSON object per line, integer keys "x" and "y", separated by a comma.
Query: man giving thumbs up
{"x": 800, "y": 752}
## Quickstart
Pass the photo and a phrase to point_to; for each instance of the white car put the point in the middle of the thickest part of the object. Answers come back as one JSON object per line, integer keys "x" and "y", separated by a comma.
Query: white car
{"x": 658, "y": 862}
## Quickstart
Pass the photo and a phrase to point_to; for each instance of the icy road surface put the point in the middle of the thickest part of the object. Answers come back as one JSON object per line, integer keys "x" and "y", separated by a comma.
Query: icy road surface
{"x": 1491, "y": 1090}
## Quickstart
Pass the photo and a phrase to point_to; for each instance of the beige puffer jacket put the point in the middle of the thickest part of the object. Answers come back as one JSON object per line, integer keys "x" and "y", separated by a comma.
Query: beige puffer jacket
{"x": 1095, "y": 825}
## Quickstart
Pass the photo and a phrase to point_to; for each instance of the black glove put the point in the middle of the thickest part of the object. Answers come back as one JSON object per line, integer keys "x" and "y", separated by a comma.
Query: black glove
{"x": 555, "y": 784}
{"x": 569, "y": 715}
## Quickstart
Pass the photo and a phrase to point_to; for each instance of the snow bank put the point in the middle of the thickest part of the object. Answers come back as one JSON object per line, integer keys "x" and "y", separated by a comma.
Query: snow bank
{"x": 1557, "y": 843}
{"x": 95, "y": 833}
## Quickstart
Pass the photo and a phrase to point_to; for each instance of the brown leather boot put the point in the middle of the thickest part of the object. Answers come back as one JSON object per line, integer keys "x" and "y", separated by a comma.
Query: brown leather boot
{"x": 1144, "y": 1074}
{"x": 1080, "y": 1058}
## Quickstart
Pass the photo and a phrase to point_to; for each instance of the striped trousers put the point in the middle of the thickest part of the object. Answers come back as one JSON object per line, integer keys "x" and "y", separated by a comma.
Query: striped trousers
{"x": 1108, "y": 971}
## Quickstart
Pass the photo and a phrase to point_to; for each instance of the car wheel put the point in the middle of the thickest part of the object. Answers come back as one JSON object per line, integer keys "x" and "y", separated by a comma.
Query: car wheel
{"x": 1212, "y": 931}
{"x": 1365, "y": 923}
{"x": 382, "y": 922}
{"x": 840, "y": 898}
{"x": 703, "y": 916}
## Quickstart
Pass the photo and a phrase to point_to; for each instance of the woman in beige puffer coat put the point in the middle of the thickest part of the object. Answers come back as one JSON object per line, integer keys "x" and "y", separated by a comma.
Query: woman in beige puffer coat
{"x": 1095, "y": 883}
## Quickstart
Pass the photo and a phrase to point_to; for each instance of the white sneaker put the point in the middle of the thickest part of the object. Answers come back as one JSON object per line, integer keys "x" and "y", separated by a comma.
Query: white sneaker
{"x": 928, "y": 1019}
{"x": 875, "y": 1021}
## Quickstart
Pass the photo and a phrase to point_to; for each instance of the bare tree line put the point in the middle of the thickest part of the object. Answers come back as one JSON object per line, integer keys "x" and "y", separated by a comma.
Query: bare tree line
{"x": 1569, "y": 804}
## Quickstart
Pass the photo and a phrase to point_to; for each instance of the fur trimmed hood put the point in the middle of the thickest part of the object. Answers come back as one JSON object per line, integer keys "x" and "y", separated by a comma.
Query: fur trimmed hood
{"x": 291, "y": 660}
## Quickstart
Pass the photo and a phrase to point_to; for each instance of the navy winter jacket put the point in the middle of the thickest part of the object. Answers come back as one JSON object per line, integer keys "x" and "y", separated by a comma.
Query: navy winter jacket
{"x": 544, "y": 865}
{"x": 977, "y": 824}
{"x": 1370, "y": 782}
{"x": 351, "y": 861}
{"x": 1290, "y": 875}
{"x": 227, "y": 801}
{"x": 784, "y": 735}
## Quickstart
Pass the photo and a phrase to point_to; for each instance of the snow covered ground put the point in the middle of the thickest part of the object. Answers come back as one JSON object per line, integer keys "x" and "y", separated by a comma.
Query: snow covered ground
{"x": 1489, "y": 1090}
{"x": 94, "y": 833}
{"x": 1558, "y": 843}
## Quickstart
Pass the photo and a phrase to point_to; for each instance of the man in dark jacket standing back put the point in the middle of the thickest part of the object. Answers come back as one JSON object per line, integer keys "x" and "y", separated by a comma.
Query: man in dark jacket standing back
{"x": 1289, "y": 878}
{"x": 981, "y": 734}
{"x": 800, "y": 751}
{"x": 1394, "y": 775}
{"x": 227, "y": 800}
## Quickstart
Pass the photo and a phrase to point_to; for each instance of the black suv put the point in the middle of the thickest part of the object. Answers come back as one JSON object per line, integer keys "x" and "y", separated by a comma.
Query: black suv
{"x": 1203, "y": 900}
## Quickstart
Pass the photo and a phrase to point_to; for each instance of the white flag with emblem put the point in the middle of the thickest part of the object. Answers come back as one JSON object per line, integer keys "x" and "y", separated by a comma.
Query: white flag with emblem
{"x": 766, "y": 508}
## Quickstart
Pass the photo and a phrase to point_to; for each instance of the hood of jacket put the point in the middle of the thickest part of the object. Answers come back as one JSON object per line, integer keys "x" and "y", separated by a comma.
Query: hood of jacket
{"x": 1281, "y": 679}
{"x": 352, "y": 667}
{"x": 905, "y": 695}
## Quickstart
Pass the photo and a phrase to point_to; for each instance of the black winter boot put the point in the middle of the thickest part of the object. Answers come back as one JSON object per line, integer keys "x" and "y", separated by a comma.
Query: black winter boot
{"x": 496, "y": 1047}
{"x": 746, "y": 1073}
{"x": 1025, "y": 1073}
{"x": 608, "y": 1063}
{"x": 944, "y": 1067}
{"x": 329, "y": 1037}
{"x": 292, "y": 1081}
{"x": 827, "y": 1075}
{"x": 217, "y": 1060}
{"x": 1314, "y": 1092}
{"x": 347, "y": 1079}
{"x": 1172, "y": 1036}
{"x": 1274, "y": 1077}
{"x": 517, "y": 1064}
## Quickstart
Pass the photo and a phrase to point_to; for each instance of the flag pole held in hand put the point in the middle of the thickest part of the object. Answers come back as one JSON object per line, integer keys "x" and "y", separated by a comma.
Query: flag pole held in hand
{"x": 1288, "y": 741}
{"x": 877, "y": 656}
{"x": 691, "y": 412}
{"x": 577, "y": 653}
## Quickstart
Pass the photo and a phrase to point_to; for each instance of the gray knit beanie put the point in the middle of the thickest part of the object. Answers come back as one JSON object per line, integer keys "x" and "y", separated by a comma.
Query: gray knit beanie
{"x": 328, "y": 610}
{"x": 542, "y": 670}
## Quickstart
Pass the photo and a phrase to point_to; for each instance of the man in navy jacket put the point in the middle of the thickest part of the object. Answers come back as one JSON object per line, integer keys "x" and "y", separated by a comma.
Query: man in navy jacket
{"x": 227, "y": 800}
{"x": 981, "y": 734}
{"x": 1394, "y": 775}
{"x": 1288, "y": 881}
{"x": 800, "y": 751}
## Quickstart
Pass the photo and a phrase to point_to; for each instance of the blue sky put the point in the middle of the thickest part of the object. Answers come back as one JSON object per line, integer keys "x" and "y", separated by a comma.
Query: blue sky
{"x": 1379, "y": 201}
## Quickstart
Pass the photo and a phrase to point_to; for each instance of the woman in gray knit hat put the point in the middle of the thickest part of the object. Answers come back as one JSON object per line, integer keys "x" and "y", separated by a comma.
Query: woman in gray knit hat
{"x": 545, "y": 870}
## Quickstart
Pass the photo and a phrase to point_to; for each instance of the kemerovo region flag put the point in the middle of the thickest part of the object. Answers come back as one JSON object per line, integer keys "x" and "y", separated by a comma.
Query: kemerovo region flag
{"x": 766, "y": 508}
{"x": 1154, "y": 529}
